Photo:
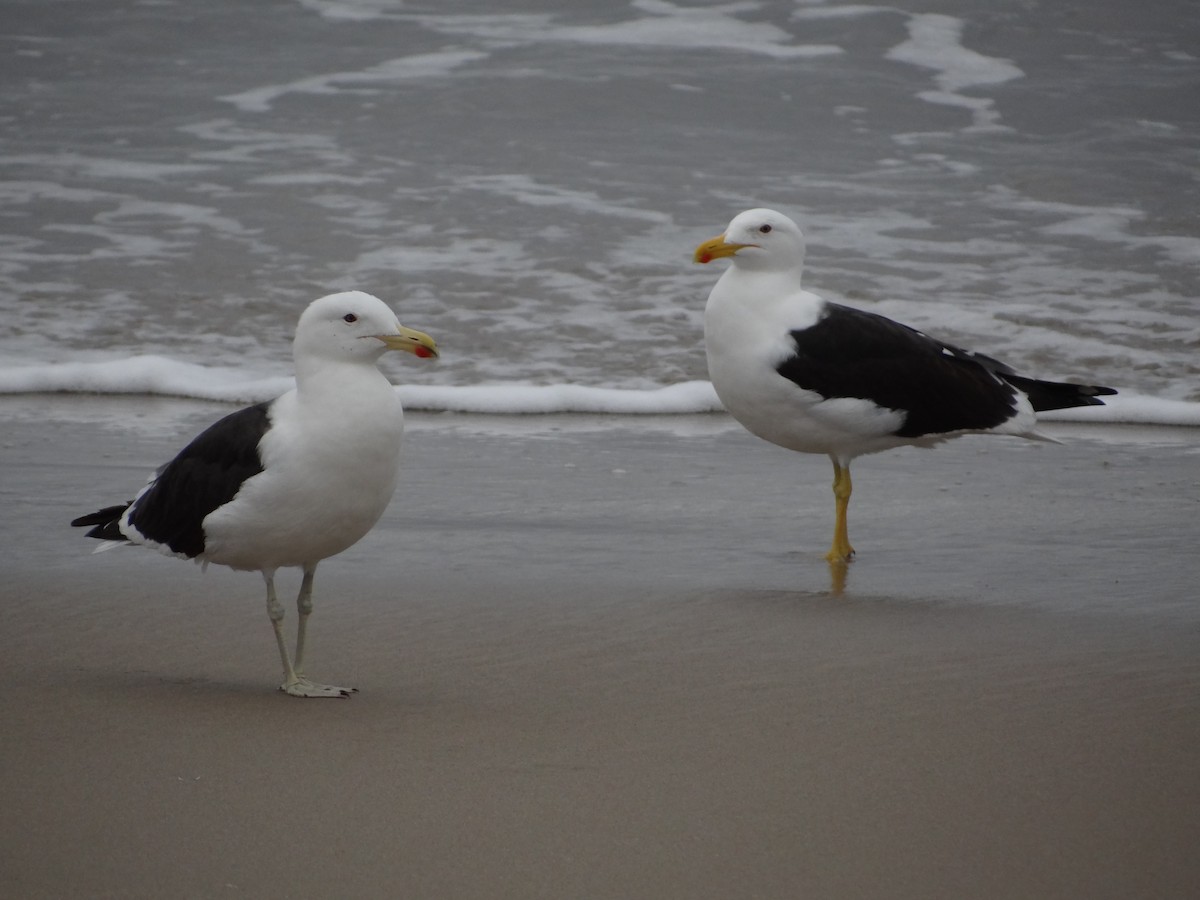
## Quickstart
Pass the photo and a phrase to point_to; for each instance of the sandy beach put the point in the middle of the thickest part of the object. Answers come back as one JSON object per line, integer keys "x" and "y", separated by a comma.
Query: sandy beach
{"x": 603, "y": 658}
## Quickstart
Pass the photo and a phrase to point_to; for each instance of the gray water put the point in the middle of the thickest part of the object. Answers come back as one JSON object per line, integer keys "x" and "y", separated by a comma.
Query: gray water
{"x": 526, "y": 180}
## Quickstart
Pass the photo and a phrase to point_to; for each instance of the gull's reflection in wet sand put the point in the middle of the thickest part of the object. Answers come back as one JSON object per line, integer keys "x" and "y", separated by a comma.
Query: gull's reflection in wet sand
{"x": 838, "y": 572}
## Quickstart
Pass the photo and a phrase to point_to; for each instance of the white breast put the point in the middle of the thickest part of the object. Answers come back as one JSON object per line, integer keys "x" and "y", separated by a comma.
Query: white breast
{"x": 330, "y": 461}
{"x": 747, "y": 333}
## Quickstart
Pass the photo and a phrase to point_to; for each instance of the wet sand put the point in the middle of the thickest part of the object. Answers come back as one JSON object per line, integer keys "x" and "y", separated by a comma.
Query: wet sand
{"x": 602, "y": 658}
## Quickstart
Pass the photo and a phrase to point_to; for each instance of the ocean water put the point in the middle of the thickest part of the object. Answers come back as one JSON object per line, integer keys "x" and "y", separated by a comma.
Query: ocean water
{"x": 526, "y": 182}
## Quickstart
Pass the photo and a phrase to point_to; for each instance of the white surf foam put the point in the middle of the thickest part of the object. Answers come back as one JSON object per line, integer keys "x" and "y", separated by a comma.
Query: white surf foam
{"x": 161, "y": 376}
{"x": 935, "y": 42}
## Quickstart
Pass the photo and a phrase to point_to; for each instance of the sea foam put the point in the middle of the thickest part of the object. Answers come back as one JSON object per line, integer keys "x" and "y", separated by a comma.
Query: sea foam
{"x": 161, "y": 376}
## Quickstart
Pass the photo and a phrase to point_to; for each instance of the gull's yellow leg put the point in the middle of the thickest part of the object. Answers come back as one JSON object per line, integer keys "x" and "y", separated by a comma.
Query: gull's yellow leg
{"x": 841, "y": 551}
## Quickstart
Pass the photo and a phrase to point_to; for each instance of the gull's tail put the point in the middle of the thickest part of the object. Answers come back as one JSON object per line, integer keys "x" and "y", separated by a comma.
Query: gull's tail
{"x": 1044, "y": 395}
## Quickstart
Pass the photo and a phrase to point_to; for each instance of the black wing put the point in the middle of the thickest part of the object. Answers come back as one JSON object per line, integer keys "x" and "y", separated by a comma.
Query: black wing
{"x": 939, "y": 387}
{"x": 205, "y": 475}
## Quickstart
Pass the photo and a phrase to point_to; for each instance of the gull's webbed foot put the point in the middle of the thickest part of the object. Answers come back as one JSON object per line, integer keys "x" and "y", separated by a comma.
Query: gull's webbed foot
{"x": 302, "y": 687}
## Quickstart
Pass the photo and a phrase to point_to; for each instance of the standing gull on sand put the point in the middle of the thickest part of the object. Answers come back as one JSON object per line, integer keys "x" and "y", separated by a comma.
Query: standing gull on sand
{"x": 819, "y": 377}
{"x": 292, "y": 481}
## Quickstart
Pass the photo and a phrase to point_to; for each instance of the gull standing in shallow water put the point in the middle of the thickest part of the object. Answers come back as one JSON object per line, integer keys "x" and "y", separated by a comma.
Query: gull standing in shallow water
{"x": 819, "y": 377}
{"x": 292, "y": 481}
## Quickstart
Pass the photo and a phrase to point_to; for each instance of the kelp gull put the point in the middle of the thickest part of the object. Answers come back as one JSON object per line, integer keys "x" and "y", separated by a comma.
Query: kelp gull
{"x": 292, "y": 481}
{"x": 819, "y": 377}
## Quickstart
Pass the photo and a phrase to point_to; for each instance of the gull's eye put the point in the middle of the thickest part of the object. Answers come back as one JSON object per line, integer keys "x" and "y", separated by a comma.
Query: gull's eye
{"x": 349, "y": 318}
{"x": 764, "y": 229}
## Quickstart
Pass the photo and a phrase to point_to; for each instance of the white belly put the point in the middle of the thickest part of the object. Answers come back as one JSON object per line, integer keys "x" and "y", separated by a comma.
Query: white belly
{"x": 777, "y": 410}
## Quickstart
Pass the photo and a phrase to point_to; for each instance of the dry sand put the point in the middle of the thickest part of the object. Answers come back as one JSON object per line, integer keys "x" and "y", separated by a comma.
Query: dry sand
{"x": 600, "y": 658}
